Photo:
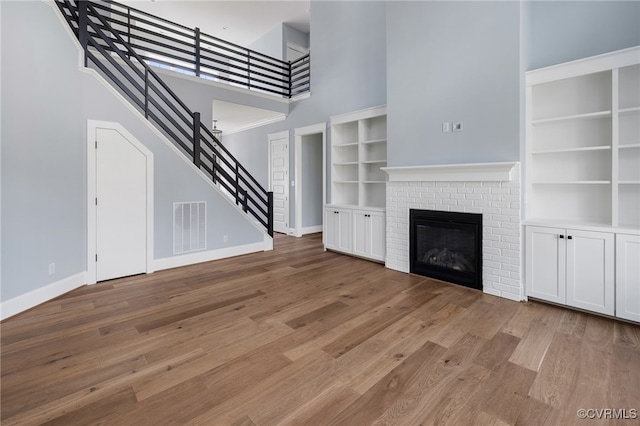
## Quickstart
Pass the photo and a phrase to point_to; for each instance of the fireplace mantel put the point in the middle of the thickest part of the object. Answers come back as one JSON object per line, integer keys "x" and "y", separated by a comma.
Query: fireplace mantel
{"x": 473, "y": 172}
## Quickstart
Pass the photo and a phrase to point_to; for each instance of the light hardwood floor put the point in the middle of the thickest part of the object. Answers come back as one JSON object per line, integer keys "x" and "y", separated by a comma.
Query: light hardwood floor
{"x": 300, "y": 336}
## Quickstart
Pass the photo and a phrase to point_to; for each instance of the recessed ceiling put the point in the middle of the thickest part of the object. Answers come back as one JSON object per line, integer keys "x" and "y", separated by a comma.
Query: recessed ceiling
{"x": 246, "y": 21}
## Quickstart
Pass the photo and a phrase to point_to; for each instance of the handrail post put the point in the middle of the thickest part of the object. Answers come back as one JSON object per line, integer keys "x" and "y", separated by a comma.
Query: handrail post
{"x": 237, "y": 183}
{"x": 244, "y": 201}
{"x": 129, "y": 29}
{"x": 270, "y": 213}
{"x": 197, "y": 52}
{"x": 249, "y": 70}
{"x": 213, "y": 163}
{"x": 83, "y": 22}
{"x": 146, "y": 92}
{"x": 196, "y": 139}
{"x": 290, "y": 80}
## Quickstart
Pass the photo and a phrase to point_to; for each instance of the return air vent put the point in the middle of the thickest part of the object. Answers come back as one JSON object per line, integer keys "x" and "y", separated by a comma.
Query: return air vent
{"x": 189, "y": 227}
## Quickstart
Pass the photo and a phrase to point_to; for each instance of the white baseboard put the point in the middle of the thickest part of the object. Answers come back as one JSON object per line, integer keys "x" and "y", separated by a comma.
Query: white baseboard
{"x": 311, "y": 229}
{"x": 305, "y": 231}
{"x": 21, "y": 303}
{"x": 207, "y": 256}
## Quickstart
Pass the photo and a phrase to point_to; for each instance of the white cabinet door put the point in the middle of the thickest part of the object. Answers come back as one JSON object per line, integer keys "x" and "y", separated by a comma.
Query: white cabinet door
{"x": 545, "y": 263}
{"x": 331, "y": 228}
{"x": 628, "y": 277}
{"x": 590, "y": 273}
{"x": 344, "y": 234}
{"x": 378, "y": 236}
{"x": 338, "y": 229}
{"x": 361, "y": 237}
{"x": 369, "y": 234}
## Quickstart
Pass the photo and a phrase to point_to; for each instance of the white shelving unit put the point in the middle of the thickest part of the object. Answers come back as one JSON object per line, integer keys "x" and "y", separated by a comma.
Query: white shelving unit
{"x": 358, "y": 184}
{"x": 583, "y": 142}
{"x": 582, "y": 165}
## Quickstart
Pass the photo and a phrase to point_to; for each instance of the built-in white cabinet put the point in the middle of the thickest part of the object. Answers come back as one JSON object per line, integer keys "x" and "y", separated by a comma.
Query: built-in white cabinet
{"x": 583, "y": 141}
{"x": 628, "y": 277}
{"x": 358, "y": 183}
{"x": 358, "y": 153}
{"x": 338, "y": 229}
{"x": 571, "y": 267}
{"x": 582, "y": 177}
{"x": 355, "y": 231}
{"x": 369, "y": 229}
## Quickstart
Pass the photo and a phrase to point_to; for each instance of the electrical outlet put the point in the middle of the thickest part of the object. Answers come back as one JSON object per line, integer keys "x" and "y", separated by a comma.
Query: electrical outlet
{"x": 225, "y": 239}
{"x": 457, "y": 126}
{"x": 446, "y": 127}
{"x": 52, "y": 268}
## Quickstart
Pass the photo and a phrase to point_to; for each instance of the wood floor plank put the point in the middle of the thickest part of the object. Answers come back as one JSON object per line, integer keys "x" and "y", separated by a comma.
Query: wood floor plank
{"x": 506, "y": 391}
{"x": 371, "y": 405}
{"x": 94, "y": 413}
{"x": 328, "y": 403}
{"x": 558, "y": 373}
{"x": 497, "y": 351}
{"x": 426, "y": 394}
{"x": 534, "y": 345}
{"x": 301, "y": 336}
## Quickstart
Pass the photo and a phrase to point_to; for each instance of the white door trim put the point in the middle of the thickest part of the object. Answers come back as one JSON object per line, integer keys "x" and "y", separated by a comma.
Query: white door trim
{"x": 299, "y": 133}
{"x": 92, "y": 127}
{"x": 271, "y": 137}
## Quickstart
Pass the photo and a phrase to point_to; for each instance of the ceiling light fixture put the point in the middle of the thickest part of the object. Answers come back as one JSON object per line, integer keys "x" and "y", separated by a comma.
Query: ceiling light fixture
{"x": 216, "y": 132}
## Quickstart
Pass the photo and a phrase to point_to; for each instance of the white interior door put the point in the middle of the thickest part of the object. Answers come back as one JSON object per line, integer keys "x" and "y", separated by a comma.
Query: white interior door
{"x": 279, "y": 180}
{"x": 121, "y": 206}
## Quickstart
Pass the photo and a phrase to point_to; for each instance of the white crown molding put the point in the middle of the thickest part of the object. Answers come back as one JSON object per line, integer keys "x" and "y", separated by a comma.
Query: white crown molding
{"x": 279, "y": 117}
{"x": 592, "y": 64}
{"x": 473, "y": 172}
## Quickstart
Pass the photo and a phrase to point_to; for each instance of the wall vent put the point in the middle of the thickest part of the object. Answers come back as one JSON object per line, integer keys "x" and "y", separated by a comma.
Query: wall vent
{"x": 189, "y": 227}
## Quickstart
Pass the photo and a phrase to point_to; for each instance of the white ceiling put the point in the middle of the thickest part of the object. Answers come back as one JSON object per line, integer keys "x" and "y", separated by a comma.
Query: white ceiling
{"x": 235, "y": 117}
{"x": 246, "y": 20}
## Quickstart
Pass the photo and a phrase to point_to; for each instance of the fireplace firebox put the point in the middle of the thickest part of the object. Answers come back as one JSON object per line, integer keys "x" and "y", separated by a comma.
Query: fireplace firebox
{"x": 446, "y": 246}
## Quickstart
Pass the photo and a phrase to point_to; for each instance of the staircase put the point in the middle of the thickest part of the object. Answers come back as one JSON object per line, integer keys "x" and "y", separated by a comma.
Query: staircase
{"x": 121, "y": 51}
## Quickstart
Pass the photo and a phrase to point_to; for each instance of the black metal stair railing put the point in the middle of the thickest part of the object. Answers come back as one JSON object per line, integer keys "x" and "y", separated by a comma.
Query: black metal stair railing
{"x": 186, "y": 50}
{"x": 107, "y": 51}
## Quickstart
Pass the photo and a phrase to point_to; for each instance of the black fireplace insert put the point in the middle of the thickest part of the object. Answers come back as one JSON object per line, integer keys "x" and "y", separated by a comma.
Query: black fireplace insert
{"x": 446, "y": 246}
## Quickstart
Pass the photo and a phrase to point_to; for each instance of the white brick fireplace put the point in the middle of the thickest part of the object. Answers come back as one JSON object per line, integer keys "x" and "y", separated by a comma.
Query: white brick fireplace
{"x": 491, "y": 189}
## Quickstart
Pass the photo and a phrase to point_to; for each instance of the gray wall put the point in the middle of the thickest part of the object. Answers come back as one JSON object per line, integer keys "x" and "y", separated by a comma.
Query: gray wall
{"x": 270, "y": 43}
{"x": 44, "y": 115}
{"x": 348, "y": 73}
{"x": 562, "y": 31}
{"x": 453, "y": 61}
{"x": 274, "y": 42}
{"x": 290, "y": 34}
{"x": 312, "y": 180}
{"x": 43, "y": 154}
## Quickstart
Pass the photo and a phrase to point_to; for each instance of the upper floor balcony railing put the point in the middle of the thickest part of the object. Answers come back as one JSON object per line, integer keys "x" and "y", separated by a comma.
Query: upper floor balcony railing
{"x": 189, "y": 51}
